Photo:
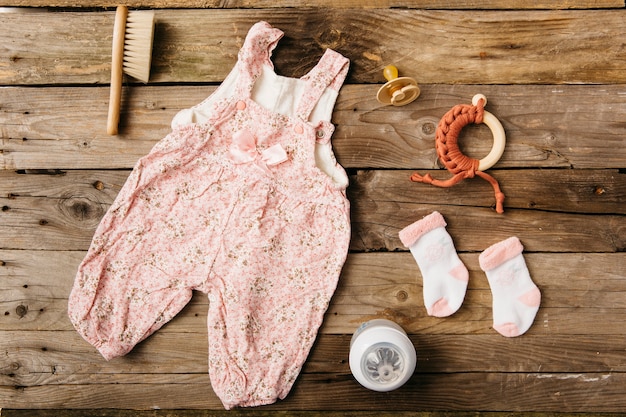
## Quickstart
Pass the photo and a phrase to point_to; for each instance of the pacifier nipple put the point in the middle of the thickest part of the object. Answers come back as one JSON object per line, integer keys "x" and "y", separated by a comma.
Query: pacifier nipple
{"x": 398, "y": 91}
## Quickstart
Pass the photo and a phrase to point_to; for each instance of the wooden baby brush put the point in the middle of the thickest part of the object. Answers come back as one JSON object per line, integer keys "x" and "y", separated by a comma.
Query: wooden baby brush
{"x": 131, "y": 54}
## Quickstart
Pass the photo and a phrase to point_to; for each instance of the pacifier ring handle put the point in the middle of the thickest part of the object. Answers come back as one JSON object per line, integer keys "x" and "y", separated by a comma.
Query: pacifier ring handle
{"x": 460, "y": 165}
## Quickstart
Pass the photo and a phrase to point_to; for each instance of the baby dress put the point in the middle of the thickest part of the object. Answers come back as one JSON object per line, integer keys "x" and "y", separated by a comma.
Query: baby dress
{"x": 243, "y": 201}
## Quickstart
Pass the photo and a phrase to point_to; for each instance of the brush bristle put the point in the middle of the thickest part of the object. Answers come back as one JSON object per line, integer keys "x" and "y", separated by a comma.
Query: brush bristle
{"x": 138, "y": 44}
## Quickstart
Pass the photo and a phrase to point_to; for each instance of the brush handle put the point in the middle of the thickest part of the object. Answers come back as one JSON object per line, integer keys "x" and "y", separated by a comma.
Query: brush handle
{"x": 117, "y": 63}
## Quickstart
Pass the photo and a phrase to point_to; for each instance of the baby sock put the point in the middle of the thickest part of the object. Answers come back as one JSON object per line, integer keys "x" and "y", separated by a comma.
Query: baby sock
{"x": 516, "y": 298}
{"x": 444, "y": 275}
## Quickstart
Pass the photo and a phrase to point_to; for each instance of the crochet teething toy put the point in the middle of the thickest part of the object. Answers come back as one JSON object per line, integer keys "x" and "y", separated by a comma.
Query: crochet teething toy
{"x": 451, "y": 156}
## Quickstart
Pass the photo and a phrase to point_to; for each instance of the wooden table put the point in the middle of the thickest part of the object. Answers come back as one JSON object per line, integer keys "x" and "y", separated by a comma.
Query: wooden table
{"x": 555, "y": 76}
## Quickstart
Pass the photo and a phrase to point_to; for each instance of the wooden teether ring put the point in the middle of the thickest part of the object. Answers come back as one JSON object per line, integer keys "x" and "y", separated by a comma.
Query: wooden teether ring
{"x": 462, "y": 166}
{"x": 499, "y": 137}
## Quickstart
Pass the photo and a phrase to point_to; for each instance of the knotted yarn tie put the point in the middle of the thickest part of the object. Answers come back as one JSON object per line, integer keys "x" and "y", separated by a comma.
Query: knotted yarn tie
{"x": 446, "y": 144}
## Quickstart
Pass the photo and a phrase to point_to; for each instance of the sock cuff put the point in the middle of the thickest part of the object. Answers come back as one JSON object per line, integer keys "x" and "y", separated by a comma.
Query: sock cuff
{"x": 499, "y": 253}
{"x": 410, "y": 234}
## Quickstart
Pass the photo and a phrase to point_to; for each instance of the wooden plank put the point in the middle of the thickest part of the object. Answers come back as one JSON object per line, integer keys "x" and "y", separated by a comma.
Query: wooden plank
{"x": 105, "y": 412}
{"x": 346, "y": 314}
{"x": 582, "y": 294}
{"x": 64, "y": 210}
{"x": 35, "y": 358}
{"x": 278, "y": 413}
{"x": 584, "y": 191}
{"x": 578, "y": 191}
{"x": 59, "y": 363}
{"x": 488, "y": 47}
{"x": 375, "y": 226}
{"x": 434, "y": 4}
{"x": 532, "y": 391}
{"x": 338, "y": 4}
{"x": 546, "y": 126}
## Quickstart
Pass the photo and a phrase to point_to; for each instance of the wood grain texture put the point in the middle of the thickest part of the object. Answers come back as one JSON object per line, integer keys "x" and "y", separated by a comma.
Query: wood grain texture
{"x": 494, "y": 391}
{"x": 368, "y": 4}
{"x": 279, "y": 413}
{"x": 383, "y": 202}
{"x": 546, "y": 126}
{"x": 583, "y": 294}
{"x": 39, "y": 360}
{"x": 442, "y": 47}
{"x": 43, "y": 365}
{"x": 554, "y": 73}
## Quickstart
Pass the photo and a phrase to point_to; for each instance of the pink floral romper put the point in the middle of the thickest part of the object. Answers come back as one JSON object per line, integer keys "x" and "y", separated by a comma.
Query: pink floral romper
{"x": 243, "y": 201}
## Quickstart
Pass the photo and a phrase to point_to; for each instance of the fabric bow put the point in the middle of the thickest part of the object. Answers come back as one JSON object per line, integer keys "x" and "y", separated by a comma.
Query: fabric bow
{"x": 244, "y": 149}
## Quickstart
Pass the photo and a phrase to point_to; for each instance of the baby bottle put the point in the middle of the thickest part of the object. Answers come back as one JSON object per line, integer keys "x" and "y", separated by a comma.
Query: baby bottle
{"x": 382, "y": 358}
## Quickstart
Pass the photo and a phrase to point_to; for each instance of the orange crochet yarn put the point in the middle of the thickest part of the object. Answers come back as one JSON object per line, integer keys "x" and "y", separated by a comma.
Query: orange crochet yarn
{"x": 451, "y": 156}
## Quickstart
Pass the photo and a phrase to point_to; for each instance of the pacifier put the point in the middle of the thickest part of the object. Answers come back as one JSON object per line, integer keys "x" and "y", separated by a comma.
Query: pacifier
{"x": 398, "y": 91}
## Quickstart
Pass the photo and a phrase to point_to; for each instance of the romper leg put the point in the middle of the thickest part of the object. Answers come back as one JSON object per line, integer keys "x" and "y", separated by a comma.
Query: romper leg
{"x": 268, "y": 297}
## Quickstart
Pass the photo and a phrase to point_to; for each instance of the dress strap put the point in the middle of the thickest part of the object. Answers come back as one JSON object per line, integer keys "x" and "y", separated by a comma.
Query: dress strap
{"x": 330, "y": 72}
{"x": 256, "y": 51}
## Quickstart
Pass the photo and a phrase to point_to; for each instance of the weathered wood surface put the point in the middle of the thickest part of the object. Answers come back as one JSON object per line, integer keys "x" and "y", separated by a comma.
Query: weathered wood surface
{"x": 339, "y": 4}
{"x": 556, "y": 79}
{"x": 279, "y": 413}
{"x": 441, "y": 47}
{"x": 431, "y": 391}
{"x": 37, "y": 284}
{"x": 553, "y": 210}
{"x": 547, "y": 126}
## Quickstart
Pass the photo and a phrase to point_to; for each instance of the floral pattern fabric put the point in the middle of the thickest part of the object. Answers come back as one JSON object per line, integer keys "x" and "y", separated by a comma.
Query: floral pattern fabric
{"x": 264, "y": 238}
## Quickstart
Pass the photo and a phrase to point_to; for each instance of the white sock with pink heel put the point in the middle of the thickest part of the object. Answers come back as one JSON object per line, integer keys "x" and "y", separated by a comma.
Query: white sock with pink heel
{"x": 516, "y": 298}
{"x": 444, "y": 275}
